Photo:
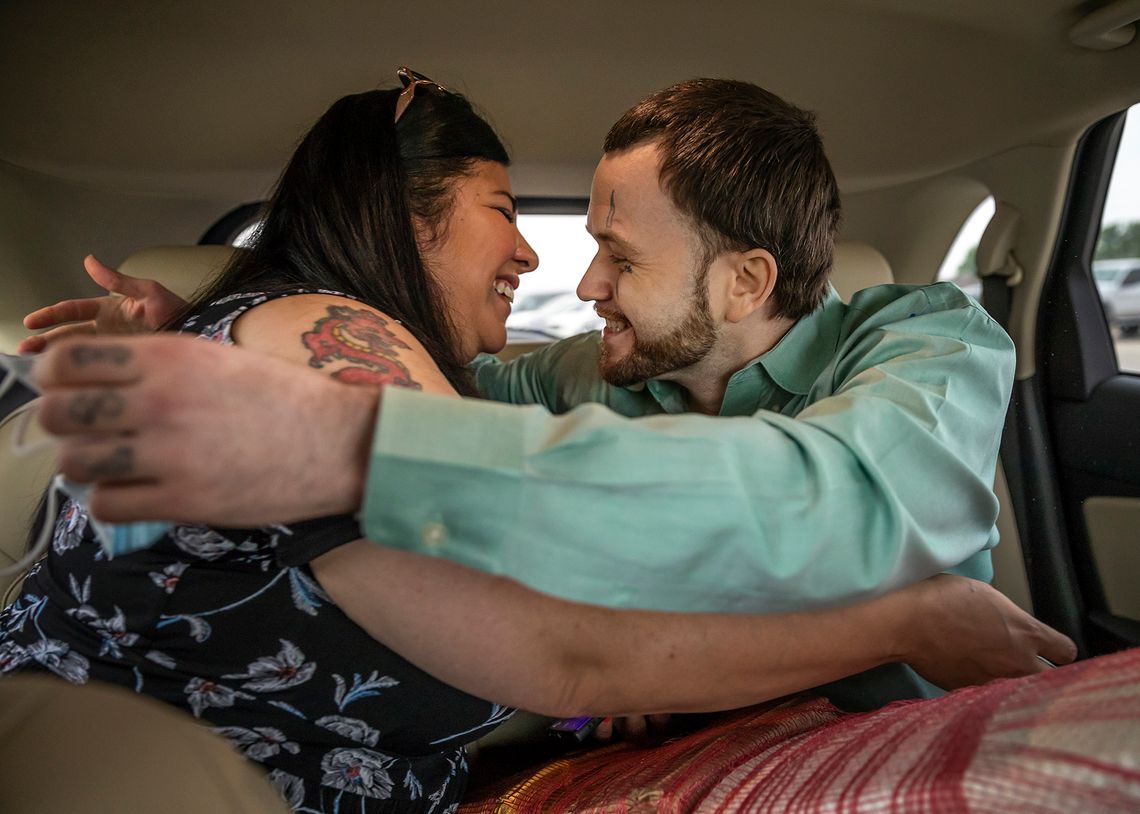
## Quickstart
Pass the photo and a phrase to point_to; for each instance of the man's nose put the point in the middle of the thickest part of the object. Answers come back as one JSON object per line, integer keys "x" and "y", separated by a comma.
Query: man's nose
{"x": 597, "y": 283}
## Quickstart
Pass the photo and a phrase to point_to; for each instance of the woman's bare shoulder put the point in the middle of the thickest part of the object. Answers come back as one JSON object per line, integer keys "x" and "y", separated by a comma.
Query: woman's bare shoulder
{"x": 348, "y": 340}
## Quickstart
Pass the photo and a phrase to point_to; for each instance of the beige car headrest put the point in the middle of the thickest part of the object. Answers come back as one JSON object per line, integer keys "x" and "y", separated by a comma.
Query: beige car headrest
{"x": 857, "y": 266}
{"x": 182, "y": 269}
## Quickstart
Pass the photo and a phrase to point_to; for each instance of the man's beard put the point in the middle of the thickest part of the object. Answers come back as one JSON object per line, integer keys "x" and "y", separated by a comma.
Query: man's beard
{"x": 687, "y": 344}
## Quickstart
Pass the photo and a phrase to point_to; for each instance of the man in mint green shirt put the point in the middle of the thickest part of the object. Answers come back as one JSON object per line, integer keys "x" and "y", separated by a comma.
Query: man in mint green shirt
{"x": 735, "y": 439}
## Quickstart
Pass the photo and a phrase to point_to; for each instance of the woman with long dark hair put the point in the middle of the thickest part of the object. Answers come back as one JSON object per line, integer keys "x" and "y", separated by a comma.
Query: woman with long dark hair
{"x": 231, "y": 625}
{"x": 389, "y": 255}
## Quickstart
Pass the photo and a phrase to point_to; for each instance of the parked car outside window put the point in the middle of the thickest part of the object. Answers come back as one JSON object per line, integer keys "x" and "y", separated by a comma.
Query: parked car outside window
{"x": 1118, "y": 282}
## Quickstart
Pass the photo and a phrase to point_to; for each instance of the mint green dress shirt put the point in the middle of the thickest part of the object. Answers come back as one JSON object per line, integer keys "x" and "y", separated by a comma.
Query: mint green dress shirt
{"x": 856, "y": 456}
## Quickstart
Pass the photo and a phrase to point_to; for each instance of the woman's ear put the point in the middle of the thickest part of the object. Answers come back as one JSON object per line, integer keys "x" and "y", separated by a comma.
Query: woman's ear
{"x": 754, "y": 275}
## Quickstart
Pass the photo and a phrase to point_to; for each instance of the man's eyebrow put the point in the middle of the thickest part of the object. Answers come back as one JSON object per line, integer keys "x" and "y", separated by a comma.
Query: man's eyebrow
{"x": 609, "y": 237}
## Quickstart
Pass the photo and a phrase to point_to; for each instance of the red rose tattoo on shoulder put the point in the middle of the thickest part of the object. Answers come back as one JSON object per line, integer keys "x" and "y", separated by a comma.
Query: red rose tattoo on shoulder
{"x": 363, "y": 339}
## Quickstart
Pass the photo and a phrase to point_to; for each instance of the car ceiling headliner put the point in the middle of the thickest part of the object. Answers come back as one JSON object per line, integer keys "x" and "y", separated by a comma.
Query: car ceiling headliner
{"x": 170, "y": 98}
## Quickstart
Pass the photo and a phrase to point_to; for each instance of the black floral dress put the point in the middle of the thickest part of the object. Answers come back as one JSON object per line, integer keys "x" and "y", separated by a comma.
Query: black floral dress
{"x": 231, "y": 626}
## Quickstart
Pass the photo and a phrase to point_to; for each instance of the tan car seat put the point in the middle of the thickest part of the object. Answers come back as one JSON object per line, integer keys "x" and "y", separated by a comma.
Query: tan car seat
{"x": 101, "y": 749}
{"x": 182, "y": 269}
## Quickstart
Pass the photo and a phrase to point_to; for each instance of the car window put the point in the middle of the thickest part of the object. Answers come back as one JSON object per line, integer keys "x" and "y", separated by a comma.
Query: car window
{"x": 545, "y": 306}
{"x": 1116, "y": 261}
{"x": 245, "y": 236}
{"x": 960, "y": 266}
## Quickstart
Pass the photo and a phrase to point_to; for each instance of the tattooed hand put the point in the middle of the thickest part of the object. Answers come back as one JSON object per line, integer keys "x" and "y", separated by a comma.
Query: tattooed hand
{"x": 168, "y": 426}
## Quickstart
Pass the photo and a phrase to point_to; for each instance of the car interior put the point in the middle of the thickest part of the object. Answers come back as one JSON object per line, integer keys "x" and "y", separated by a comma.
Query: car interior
{"x": 149, "y": 134}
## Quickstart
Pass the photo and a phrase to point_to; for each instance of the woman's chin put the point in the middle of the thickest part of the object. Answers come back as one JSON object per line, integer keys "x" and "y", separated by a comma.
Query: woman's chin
{"x": 493, "y": 344}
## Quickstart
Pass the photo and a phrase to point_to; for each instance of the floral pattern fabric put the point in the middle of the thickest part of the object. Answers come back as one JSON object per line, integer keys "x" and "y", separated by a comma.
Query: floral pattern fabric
{"x": 212, "y": 621}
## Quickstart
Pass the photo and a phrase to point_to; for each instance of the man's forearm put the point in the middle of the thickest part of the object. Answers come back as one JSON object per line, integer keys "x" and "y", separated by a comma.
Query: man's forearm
{"x": 349, "y": 423}
{"x": 201, "y": 433}
{"x": 561, "y": 658}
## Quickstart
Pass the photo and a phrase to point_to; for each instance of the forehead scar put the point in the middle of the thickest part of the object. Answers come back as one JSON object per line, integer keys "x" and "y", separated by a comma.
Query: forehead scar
{"x": 613, "y": 207}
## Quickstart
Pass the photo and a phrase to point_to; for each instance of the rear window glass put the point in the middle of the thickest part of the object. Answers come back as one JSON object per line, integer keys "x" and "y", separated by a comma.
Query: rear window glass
{"x": 960, "y": 266}
{"x": 546, "y": 307}
{"x": 1116, "y": 260}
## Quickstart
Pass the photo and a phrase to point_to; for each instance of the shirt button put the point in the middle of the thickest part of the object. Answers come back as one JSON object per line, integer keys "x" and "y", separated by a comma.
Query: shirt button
{"x": 433, "y": 535}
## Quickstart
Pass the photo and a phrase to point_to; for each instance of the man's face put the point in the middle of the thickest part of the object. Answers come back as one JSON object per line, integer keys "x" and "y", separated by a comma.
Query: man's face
{"x": 648, "y": 279}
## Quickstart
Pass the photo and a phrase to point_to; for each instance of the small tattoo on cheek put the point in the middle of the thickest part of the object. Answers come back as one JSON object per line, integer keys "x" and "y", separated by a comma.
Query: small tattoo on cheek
{"x": 87, "y": 409}
{"x": 120, "y": 463}
{"x": 84, "y": 355}
{"x": 613, "y": 208}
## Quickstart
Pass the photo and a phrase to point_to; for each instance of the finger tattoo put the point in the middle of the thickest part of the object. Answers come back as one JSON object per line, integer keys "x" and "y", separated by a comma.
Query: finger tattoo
{"x": 83, "y": 355}
{"x": 118, "y": 464}
{"x": 87, "y": 408}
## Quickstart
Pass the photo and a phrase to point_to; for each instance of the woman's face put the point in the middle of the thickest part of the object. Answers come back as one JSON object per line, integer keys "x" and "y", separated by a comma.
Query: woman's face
{"x": 478, "y": 260}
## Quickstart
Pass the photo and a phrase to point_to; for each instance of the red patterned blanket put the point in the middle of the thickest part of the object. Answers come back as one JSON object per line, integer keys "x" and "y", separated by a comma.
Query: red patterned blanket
{"x": 1063, "y": 741}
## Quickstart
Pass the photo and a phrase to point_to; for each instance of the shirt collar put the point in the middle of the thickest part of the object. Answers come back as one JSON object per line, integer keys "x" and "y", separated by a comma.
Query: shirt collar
{"x": 793, "y": 364}
{"x": 807, "y": 348}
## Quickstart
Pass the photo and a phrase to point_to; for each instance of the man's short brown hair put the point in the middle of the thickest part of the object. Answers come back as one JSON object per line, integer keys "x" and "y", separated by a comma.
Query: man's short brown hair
{"x": 749, "y": 169}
